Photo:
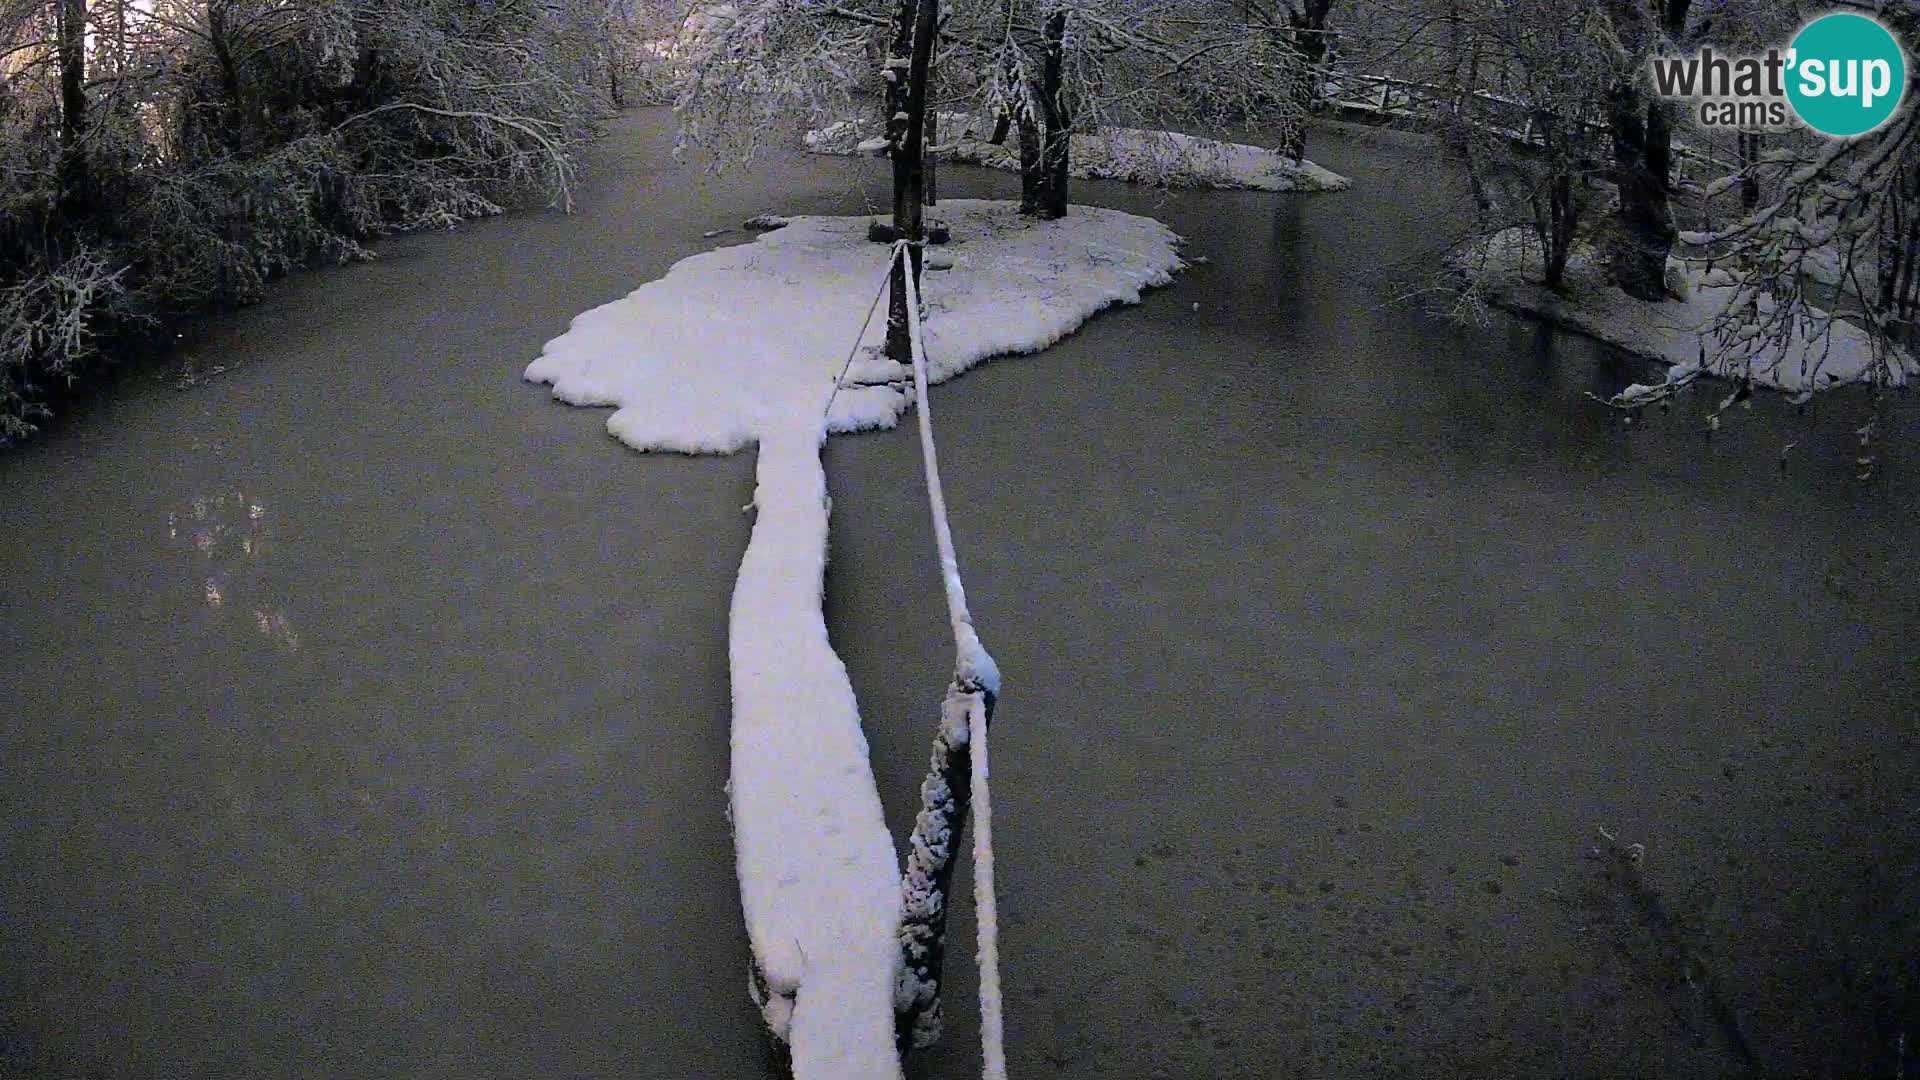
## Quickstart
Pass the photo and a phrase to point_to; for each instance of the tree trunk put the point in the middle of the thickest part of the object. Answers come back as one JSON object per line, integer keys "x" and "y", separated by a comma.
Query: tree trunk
{"x": 1459, "y": 141}
{"x": 1057, "y": 145}
{"x": 1642, "y": 159}
{"x": 899, "y": 60}
{"x": 1033, "y": 178}
{"x": 1643, "y": 153}
{"x": 929, "y": 163}
{"x": 1907, "y": 296}
{"x": 899, "y": 65}
{"x": 1900, "y": 246}
{"x": 909, "y": 176}
{"x": 930, "y": 109}
{"x": 221, "y": 40}
{"x": 1058, "y": 150}
{"x": 75, "y": 182}
{"x": 120, "y": 36}
{"x": 1749, "y": 142}
{"x": 1308, "y": 42}
{"x": 1020, "y": 114}
{"x": 1556, "y": 211}
{"x": 1562, "y": 221}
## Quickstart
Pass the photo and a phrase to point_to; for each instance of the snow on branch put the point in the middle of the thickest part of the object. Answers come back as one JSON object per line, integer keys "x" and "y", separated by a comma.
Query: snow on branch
{"x": 1835, "y": 222}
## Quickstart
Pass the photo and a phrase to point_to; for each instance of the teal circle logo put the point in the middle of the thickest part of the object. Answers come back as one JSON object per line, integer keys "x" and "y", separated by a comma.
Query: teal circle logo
{"x": 1846, "y": 74}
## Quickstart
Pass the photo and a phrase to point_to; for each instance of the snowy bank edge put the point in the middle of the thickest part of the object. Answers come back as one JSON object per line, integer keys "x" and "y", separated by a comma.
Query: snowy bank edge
{"x": 1102, "y": 155}
{"x": 1506, "y": 267}
{"x": 1126, "y": 256}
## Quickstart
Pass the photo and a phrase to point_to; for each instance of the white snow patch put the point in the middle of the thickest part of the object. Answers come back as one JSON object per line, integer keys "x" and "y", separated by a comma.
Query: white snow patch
{"x": 745, "y": 345}
{"x": 1133, "y": 155}
{"x": 1822, "y": 353}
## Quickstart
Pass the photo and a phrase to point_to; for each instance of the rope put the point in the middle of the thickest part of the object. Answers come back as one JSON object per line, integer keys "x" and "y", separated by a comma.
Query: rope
{"x": 973, "y": 669}
{"x": 993, "y": 1046}
{"x": 857, "y": 338}
{"x": 974, "y": 665}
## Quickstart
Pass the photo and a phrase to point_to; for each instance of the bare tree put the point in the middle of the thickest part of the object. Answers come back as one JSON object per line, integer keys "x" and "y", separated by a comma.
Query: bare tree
{"x": 1048, "y": 69}
{"x": 1302, "y": 25}
{"x": 1070, "y": 67}
{"x": 1516, "y": 95}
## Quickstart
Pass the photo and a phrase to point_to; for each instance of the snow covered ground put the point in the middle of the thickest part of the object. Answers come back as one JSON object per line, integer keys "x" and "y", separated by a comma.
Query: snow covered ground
{"x": 743, "y": 345}
{"x": 1134, "y": 155}
{"x": 1820, "y": 355}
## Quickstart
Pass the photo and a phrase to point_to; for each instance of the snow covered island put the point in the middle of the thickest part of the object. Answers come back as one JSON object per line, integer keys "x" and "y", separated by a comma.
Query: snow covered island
{"x": 745, "y": 345}
{"x": 1133, "y": 155}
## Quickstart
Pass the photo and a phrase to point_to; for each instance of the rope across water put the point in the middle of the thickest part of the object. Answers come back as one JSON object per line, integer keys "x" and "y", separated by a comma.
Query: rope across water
{"x": 975, "y": 676}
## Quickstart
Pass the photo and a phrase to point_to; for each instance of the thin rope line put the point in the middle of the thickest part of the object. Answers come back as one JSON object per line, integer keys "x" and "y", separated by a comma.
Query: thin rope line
{"x": 855, "y": 351}
{"x": 966, "y": 641}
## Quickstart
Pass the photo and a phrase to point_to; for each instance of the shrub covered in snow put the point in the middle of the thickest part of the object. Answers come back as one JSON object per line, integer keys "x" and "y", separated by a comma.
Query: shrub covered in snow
{"x": 181, "y": 158}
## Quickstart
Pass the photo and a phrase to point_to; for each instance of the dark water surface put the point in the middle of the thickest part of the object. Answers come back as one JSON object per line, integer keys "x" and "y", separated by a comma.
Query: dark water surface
{"x": 367, "y": 711}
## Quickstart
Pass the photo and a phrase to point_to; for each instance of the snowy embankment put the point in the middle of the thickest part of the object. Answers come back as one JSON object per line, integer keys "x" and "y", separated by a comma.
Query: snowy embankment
{"x": 1819, "y": 355}
{"x": 1133, "y": 155}
{"x": 744, "y": 345}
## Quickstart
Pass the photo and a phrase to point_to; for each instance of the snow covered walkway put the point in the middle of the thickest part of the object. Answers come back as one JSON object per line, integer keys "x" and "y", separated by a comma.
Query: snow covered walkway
{"x": 743, "y": 345}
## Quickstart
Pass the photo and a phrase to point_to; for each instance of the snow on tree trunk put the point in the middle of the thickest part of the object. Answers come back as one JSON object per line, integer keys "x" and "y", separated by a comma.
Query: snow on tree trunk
{"x": 812, "y": 888}
{"x": 899, "y": 58}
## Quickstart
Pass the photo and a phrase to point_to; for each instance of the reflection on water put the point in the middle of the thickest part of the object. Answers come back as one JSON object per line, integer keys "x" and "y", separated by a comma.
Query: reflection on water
{"x": 229, "y": 538}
